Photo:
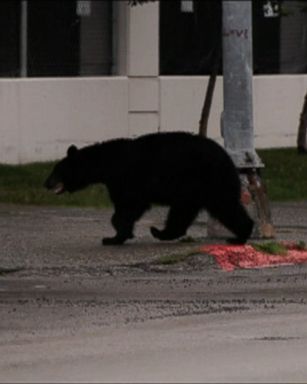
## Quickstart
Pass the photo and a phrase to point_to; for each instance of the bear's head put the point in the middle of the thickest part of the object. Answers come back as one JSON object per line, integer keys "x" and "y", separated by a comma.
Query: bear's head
{"x": 67, "y": 174}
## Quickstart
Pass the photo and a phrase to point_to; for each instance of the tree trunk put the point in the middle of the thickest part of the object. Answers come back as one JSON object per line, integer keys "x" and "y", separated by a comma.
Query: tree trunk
{"x": 203, "y": 123}
{"x": 302, "y": 129}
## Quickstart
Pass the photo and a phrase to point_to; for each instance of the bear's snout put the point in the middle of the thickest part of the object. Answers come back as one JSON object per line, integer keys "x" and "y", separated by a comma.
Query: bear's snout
{"x": 56, "y": 186}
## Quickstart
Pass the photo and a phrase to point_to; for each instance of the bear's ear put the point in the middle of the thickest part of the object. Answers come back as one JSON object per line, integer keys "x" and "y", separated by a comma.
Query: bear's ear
{"x": 72, "y": 150}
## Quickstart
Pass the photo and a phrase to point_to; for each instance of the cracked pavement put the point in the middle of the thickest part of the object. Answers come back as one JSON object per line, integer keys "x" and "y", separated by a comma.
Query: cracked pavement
{"x": 73, "y": 310}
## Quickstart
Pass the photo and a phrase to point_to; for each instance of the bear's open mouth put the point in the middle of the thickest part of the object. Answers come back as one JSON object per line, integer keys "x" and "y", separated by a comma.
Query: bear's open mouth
{"x": 59, "y": 188}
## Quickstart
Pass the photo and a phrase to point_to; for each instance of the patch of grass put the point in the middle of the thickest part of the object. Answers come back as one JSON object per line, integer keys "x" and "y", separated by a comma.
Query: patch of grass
{"x": 175, "y": 258}
{"x": 23, "y": 184}
{"x": 271, "y": 247}
{"x": 284, "y": 174}
{"x": 276, "y": 248}
{"x": 301, "y": 245}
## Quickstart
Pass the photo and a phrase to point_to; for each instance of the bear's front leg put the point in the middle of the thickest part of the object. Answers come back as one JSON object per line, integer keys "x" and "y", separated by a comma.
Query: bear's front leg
{"x": 123, "y": 221}
{"x": 123, "y": 226}
{"x": 116, "y": 240}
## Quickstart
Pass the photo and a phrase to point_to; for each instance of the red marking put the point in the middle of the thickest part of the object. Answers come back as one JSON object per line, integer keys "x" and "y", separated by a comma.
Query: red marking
{"x": 246, "y": 198}
{"x": 230, "y": 257}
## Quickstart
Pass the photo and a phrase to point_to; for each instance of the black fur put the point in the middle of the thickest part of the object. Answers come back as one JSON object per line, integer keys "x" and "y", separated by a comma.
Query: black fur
{"x": 183, "y": 171}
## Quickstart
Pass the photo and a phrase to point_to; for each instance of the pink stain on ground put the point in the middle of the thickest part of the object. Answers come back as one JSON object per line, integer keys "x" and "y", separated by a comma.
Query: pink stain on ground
{"x": 230, "y": 257}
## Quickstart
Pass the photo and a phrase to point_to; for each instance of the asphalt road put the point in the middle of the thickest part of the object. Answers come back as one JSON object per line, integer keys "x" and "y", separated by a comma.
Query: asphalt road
{"x": 72, "y": 310}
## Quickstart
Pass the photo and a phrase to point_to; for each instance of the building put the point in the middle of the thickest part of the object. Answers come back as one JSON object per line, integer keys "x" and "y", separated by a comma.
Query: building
{"x": 86, "y": 71}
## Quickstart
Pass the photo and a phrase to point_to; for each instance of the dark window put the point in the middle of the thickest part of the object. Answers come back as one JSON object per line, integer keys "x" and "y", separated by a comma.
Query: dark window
{"x": 53, "y": 38}
{"x": 293, "y": 37}
{"x": 96, "y": 40}
{"x": 9, "y": 38}
{"x": 60, "y": 38}
{"x": 187, "y": 39}
{"x": 266, "y": 32}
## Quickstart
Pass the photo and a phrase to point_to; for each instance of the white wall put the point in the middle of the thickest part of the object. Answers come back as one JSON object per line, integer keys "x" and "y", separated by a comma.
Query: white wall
{"x": 41, "y": 117}
{"x": 278, "y": 102}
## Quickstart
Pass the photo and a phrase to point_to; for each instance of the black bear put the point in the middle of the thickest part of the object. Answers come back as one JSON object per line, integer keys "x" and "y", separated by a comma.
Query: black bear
{"x": 177, "y": 169}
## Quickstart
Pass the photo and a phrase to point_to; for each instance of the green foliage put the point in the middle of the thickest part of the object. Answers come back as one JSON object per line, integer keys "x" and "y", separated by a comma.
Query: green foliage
{"x": 139, "y": 2}
{"x": 271, "y": 247}
{"x": 301, "y": 245}
{"x": 294, "y": 8}
{"x": 175, "y": 258}
{"x": 285, "y": 174}
{"x": 276, "y": 248}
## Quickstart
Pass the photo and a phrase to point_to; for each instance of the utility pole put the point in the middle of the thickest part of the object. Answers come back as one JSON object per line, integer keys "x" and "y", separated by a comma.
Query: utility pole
{"x": 23, "y": 38}
{"x": 237, "y": 122}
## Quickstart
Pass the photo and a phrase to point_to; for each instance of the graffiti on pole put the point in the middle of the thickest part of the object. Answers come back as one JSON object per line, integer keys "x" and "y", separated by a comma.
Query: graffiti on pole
{"x": 240, "y": 33}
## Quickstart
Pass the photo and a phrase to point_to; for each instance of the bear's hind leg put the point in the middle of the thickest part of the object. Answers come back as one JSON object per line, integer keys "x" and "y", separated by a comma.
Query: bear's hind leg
{"x": 180, "y": 217}
{"x": 123, "y": 221}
